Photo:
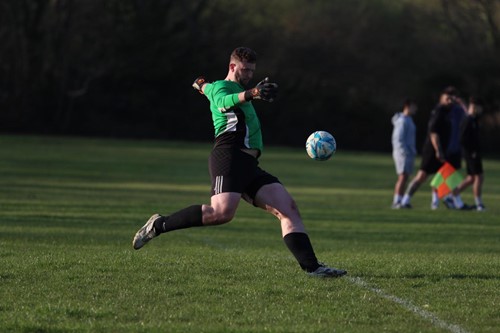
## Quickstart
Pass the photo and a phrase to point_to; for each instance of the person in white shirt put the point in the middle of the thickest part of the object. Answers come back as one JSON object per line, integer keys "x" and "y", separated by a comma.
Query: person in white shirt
{"x": 403, "y": 148}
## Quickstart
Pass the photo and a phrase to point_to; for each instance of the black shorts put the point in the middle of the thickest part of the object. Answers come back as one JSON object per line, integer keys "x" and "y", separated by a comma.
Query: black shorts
{"x": 430, "y": 164}
{"x": 232, "y": 170}
{"x": 455, "y": 159}
{"x": 474, "y": 163}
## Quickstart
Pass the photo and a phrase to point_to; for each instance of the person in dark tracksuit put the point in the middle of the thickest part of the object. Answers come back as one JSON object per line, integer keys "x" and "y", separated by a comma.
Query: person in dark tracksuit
{"x": 469, "y": 138}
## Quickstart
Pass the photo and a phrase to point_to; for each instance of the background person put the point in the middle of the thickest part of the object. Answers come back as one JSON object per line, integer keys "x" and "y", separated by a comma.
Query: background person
{"x": 457, "y": 115}
{"x": 435, "y": 150}
{"x": 469, "y": 139}
{"x": 403, "y": 148}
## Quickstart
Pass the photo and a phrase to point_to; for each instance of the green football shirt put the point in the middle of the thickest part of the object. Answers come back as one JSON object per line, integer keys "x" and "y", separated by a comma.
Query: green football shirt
{"x": 236, "y": 124}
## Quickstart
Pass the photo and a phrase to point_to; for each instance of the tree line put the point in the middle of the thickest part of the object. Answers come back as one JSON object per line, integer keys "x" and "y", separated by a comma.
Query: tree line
{"x": 124, "y": 68}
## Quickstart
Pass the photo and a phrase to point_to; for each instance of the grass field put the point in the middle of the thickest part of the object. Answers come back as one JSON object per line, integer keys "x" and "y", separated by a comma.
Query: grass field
{"x": 69, "y": 208}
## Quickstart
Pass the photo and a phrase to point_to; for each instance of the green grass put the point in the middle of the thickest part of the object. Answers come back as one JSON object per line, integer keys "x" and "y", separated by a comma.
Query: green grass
{"x": 69, "y": 208}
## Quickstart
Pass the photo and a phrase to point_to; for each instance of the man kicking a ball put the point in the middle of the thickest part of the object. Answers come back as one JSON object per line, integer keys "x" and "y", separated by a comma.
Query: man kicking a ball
{"x": 234, "y": 167}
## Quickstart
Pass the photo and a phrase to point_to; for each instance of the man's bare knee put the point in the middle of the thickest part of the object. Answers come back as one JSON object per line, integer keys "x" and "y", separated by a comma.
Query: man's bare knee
{"x": 286, "y": 211}
{"x": 224, "y": 217}
{"x": 215, "y": 217}
{"x": 222, "y": 208}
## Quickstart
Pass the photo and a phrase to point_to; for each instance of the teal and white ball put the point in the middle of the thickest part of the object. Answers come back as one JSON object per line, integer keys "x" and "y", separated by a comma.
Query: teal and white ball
{"x": 321, "y": 145}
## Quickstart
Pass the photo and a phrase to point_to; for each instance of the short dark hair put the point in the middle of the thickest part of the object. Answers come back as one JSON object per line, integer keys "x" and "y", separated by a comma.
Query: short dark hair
{"x": 407, "y": 102}
{"x": 450, "y": 90}
{"x": 244, "y": 54}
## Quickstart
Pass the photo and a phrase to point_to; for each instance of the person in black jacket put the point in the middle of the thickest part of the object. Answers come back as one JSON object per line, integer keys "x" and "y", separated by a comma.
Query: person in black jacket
{"x": 442, "y": 144}
{"x": 469, "y": 138}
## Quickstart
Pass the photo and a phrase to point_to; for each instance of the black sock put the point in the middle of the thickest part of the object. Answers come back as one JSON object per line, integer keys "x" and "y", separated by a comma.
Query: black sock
{"x": 185, "y": 218}
{"x": 299, "y": 244}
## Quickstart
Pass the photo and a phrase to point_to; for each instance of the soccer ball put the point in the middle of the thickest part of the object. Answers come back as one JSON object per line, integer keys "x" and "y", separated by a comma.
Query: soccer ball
{"x": 321, "y": 145}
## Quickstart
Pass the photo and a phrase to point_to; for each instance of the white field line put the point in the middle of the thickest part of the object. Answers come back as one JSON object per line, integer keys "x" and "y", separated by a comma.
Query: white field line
{"x": 409, "y": 306}
{"x": 359, "y": 282}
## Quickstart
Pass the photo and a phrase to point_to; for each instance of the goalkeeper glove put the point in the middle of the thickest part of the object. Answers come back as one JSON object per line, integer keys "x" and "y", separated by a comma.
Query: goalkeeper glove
{"x": 264, "y": 90}
{"x": 198, "y": 84}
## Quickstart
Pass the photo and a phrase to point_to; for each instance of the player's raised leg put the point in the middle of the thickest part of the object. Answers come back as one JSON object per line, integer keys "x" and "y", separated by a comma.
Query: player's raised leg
{"x": 275, "y": 199}
{"x": 221, "y": 210}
